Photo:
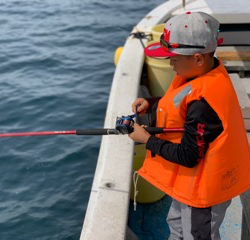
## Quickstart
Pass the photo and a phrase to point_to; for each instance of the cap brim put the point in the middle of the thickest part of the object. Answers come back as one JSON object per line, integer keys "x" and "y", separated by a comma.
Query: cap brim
{"x": 156, "y": 50}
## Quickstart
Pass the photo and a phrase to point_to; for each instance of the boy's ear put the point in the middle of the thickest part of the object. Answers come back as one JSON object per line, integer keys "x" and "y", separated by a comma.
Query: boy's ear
{"x": 199, "y": 59}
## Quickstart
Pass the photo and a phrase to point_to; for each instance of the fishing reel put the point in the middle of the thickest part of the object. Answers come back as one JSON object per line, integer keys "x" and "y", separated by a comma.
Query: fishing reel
{"x": 124, "y": 124}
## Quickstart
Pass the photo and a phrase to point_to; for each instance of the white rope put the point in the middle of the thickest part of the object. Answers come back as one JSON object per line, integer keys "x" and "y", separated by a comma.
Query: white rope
{"x": 135, "y": 180}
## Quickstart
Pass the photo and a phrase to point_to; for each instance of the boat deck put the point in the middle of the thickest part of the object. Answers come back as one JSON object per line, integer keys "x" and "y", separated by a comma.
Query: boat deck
{"x": 147, "y": 218}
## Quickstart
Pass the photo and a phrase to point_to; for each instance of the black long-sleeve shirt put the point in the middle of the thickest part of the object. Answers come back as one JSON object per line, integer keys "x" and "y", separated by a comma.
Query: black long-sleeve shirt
{"x": 202, "y": 127}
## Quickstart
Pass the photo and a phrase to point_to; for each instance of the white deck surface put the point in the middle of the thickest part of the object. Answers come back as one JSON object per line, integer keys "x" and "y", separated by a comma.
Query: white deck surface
{"x": 226, "y": 11}
{"x": 231, "y": 226}
{"x": 246, "y": 83}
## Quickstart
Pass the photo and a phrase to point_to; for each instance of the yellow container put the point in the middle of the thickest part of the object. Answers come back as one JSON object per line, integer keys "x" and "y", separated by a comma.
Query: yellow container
{"x": 147, "y": 192}
{"x": 157, "y": 31}
{"x": 160, "y": 74}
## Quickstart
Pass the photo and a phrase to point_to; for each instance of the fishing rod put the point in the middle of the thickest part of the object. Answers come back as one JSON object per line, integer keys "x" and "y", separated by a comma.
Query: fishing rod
{"x": 94, "y": 131}
{"x": 124, "y": 125}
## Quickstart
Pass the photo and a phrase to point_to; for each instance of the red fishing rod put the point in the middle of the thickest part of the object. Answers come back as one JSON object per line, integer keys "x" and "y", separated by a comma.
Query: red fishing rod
{"x": 101, "y": 131}
{"x": 124, "y": 125}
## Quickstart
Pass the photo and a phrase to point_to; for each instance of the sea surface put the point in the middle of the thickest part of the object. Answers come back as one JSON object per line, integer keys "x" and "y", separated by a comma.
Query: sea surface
{"x": 56, "y": 70}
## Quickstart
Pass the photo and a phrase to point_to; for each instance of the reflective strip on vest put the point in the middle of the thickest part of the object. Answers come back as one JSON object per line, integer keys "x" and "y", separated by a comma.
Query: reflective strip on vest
{"x": 180, "y": 95}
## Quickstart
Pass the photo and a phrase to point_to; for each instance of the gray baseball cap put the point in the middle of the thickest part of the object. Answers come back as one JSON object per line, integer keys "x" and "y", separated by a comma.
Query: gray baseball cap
{"x": 187, "y": 34}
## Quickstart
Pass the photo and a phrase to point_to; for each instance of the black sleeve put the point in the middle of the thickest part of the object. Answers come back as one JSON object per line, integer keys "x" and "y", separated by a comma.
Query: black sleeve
{"x": 202, "y": 126}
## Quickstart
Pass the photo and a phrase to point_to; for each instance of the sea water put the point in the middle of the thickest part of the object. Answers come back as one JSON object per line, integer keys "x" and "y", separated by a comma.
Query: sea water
{"x": 56, "y": 70}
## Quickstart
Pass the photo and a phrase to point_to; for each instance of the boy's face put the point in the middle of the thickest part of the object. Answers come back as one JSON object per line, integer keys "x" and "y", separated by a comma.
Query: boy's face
{"x": 185, "y": 66}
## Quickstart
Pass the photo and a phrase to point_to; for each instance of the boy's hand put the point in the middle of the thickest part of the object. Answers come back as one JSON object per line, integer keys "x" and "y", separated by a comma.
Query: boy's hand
{"x": 140, "y": 105}
{"x": 139, "y": 134}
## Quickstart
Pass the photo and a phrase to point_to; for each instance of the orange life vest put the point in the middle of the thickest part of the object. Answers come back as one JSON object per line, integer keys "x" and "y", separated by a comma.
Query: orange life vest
{"x": 224, "y": 171}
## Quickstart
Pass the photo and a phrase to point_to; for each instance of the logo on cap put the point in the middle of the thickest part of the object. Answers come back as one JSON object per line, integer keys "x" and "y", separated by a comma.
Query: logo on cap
{"x": 166, "y": 34}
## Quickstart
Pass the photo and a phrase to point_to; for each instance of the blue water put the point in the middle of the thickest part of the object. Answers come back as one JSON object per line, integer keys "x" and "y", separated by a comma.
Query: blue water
{"x": 56, "y": 70}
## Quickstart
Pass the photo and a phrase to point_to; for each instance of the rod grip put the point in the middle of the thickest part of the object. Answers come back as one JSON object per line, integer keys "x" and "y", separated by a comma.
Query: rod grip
{"x": 154, "y": 130}
{"x": 94, "y": 131}
{"x": 157, "y": 130}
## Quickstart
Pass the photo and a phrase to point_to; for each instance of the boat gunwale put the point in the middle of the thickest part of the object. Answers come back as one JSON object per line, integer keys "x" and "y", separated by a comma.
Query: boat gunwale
{"x": 107, "y": 211}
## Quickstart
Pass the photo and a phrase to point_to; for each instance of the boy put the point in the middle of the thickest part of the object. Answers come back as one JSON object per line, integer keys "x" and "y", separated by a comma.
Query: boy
{"x": 208, "y": 164}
